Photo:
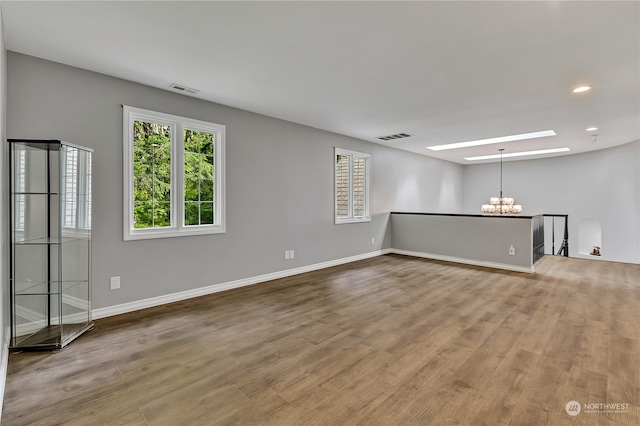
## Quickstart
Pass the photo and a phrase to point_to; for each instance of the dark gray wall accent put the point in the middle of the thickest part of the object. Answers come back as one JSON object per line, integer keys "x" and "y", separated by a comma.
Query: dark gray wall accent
{"x": 483, "y": 239}
{"x": 279, "y": 184}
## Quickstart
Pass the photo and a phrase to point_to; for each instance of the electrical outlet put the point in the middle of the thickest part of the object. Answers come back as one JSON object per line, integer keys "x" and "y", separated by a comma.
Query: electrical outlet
{"x": 373, "y": 241}
{"x": 287, "y": 254}
{"x": 291, "y": 254}
{"x": 114, "y": 283}
{"x": 512, "y": 251}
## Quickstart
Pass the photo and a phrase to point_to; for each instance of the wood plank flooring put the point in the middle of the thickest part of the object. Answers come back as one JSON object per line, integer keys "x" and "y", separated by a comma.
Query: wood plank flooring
{"x": 392, "y": 340}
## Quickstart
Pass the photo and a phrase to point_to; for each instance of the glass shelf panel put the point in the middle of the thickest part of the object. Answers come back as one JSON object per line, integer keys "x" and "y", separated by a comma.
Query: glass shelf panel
{"x": 54, "y": 287}
{"x": 34, "y": 193}
{"x": 52, "y": 240}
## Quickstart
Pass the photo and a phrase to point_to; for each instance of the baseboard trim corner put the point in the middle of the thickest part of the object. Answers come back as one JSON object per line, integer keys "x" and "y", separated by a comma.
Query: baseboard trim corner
{"x": 216, "y": 288}
{"x": 473, "y": 262}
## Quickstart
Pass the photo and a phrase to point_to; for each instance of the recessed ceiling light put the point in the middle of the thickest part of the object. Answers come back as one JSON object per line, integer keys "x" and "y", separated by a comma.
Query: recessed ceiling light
{"x": 591, "y": 129}
{"x": 581, "y": 89}
{"x": 518, "y": 154}
{"x": 500, "y": 139}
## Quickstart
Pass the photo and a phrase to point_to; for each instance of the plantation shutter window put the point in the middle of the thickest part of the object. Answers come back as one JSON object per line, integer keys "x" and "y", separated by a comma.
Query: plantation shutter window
{"x": 352, "y": 173}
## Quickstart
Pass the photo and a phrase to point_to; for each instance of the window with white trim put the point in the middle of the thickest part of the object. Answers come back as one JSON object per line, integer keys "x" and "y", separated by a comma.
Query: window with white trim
{"x": 70, "y": 179}
{"x": 352, "y": 175}
{"x": 76, "y": 191}
{"x": 21, "y": 188}
{"x": 173, "y": 175}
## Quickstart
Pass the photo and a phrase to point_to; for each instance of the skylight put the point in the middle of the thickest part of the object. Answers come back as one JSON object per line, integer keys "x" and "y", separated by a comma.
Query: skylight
{"x": 489, "y": 141}
{"x": 518, "y": 154}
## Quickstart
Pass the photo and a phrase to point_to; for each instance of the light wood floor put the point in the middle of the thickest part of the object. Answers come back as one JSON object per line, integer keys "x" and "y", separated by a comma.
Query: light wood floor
{"x": 392, "y": 340}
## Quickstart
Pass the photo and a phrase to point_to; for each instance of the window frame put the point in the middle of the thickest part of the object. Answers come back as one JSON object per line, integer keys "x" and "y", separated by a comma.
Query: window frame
{"x": 367, "y": 182}
{"x": 178, "y": 126}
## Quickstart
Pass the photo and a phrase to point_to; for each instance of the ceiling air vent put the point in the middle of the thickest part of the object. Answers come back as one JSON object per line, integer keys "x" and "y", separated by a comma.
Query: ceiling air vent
{"x": 184, "y": 89}
{"x": 396, "y": 136}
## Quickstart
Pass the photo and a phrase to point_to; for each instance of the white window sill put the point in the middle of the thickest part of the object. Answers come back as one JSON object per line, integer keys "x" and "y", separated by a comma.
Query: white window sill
{"x": 147, "y": 234}
{"x": 353, "y": 220}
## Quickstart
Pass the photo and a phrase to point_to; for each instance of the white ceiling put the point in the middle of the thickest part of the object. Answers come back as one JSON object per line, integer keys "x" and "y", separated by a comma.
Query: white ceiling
{"x": 442, "y": 71}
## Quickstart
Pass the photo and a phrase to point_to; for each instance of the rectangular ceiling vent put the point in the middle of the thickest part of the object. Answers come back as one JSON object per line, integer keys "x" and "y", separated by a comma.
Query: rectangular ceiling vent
{"x": 396, "y": 136}
{"x": 184, "y": 89}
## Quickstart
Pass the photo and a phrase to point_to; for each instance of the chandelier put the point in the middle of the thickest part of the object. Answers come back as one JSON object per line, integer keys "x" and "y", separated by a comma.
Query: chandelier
{"x": 501, "y": 205}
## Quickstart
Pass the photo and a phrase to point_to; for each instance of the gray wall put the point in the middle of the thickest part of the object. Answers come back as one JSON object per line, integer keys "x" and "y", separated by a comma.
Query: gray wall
{"x": 480, "y": 240}
{"x": 603, "y": 185}
{"x": 279, "y": 184}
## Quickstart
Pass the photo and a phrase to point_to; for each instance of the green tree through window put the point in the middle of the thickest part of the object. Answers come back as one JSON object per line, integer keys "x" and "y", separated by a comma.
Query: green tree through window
{"x": 173, "y": 175}
{"x": 151, "y": 175}
{"x": 198, "y": 178}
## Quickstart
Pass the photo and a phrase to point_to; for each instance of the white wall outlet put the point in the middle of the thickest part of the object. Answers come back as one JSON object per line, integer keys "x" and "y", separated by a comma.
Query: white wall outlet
{"x": 287, "y": 254}
{"x": 292, "y": 254}
{"x": 373, "y": 241}
{"x": 114, "y": 282}
{"x": 512, "y": 250}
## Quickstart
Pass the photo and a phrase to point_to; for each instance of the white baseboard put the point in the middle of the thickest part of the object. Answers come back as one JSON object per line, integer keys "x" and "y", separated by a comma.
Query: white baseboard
{"x": 215, "y": 288}
{"x": 495, "y": 265}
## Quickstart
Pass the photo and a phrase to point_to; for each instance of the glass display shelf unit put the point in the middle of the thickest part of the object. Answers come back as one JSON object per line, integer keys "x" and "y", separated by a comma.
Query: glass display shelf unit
{"x": 50, "y": 256}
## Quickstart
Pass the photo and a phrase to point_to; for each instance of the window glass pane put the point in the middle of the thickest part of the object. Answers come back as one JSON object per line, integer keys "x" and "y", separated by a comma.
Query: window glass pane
{"x": 191, "y": 165}
{"x": 191, "y": 213}
{"x": 161, "y": 214}
{"x": 342, "y": 185}
{"x": 206, "y": 167}
{"x": 162, "y": 188}
{"x": 198, "y": 176}
{"x": 151, "y": 174}
{"x": 359, "y": 186}
{"x": 206, "y": 213}
{"x": 207, "y": 144}
{"x": 191, "y": 141}
{"x": 142, "y": 187}
{"x": 142, "y": 214}
{"x": 206, "y": 190}
{"x": 161, "y": 161}
{"x": 142, "y": 161}
{"x": 191, "y": 190}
